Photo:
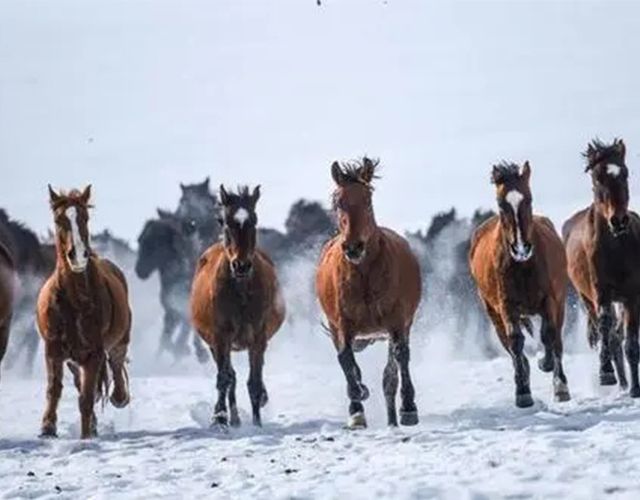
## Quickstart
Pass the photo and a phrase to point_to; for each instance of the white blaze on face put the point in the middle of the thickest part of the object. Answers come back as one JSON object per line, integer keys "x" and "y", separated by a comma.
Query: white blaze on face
{"x": 241, "y": 216}
{"x": 613, "y": 170}
{"x": 514, "y": 198}
{"x": 79, "y": 262}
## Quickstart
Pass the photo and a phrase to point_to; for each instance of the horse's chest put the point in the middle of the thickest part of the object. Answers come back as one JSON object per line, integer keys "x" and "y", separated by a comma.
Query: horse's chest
{"x": 619, "y": 270}
{"x": 524, "y": 290}
{"x": 365, "y": 301}
{"x": 241, "y": 315}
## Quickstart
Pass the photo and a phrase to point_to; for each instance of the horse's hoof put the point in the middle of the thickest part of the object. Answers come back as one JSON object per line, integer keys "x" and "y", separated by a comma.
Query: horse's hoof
{"x": 608, "y": 378}
{"x": 220, "y": 419}
{"x": 623, "y": 384}
{"x": 48, "y": 432}
{"x": 235, "y": 420}
{"x": 409, "y": 418}
{"x": 635, "y": 392}
{"x": 524, "y": 400}
{"x": 357, "y": 421}
{"x": 545, "y": 364}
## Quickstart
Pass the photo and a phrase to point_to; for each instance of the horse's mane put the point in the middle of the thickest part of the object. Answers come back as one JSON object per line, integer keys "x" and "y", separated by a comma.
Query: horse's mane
{"x": 597, "y": 151}
{"x": 241, "y": 197}
{"x": 352, "y": 170}
{"x": 73, "y": 197}
{"x": 505, "y": 172}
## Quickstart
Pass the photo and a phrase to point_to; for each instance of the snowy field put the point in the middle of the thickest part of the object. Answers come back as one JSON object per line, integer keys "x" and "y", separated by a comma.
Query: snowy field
{"x": 471, "y": 441}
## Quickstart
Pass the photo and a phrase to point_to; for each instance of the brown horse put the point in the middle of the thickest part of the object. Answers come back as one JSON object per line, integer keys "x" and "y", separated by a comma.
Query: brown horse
{"x": 603, "y": 249}
{"x": 7, "y": 290}
{"x": 369, "y": 284}
{"x": 519, "y": 266}
{"x": 83, "y": 316}
{"x": 236, "y": 303}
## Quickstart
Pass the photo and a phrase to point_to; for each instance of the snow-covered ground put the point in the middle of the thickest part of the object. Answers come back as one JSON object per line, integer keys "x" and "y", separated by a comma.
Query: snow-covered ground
{"x": 471, "y": 441}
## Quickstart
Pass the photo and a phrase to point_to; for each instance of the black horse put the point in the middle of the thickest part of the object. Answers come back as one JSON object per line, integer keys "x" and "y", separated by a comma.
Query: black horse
{"x": 171, "y": 247}
{"x": 198, "y": 212}
{"x": 33, "y": 264}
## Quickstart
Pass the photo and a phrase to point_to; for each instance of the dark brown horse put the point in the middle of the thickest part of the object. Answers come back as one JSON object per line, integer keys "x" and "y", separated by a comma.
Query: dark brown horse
{"x": 7, "y": 292}
{"x": 368, "y": 283}
{"x": 603, "y": 250}
{"x": 83, "y": 316}
{"x": 236, "y": 303}
{"x": 519, "y": 265}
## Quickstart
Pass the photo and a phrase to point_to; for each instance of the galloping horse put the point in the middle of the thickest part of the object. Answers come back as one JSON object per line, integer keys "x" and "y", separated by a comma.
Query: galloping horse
{"x": 7, "y": 287}
{"x": 603, "y": 249}
{"x": 519, "y": 265}
{"x": 236, "y": 303}
{"x": 368, "y": 283}
{"x": 83, "y": 316}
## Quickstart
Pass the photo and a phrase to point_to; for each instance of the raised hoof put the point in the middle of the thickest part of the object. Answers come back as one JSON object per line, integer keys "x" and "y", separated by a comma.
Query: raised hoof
{"x": 409, "y": 418}
{"x": 545, "y": 364}
{"x": 635, "y": 392}
{"x": 524, "y": 400}
{"x": 118, "y": 402}
{"x": 357, "y": 421}
{"x": 608, "y": 378}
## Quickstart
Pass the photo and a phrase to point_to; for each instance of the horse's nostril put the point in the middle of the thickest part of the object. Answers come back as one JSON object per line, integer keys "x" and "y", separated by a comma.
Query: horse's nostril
{"x": 85, "y": 254}
{"x": 71, "y": 254}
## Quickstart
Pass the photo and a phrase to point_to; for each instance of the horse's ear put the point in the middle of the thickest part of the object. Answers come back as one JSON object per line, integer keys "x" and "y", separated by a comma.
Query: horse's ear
{"x": 205, "y": 185}
{"x": 86, "y": 195}
{"x": 336, "y": 173}
{"x": 496, "y": 175}
{"x": 182, "y": 187}
{"x": 620, "y": 147}
{"x": 53, "y": 196}
{"x": 367, "y": 170}
{"x": 590, "y": 155}
{"x": 255, "y": 196}
{"x": 525, "y": 171}
{"x": 164, "y": 214}
{"x": 224, "y": 196}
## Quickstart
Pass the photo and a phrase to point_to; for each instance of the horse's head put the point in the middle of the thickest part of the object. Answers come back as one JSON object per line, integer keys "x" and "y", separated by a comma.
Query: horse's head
{"x": 71, "y": 217}
{"x": 352, "y": 201}
{"x": 514, "y": 201}
{"x": 196, "y": 204}
{"x": 239, "y": 222}
{"x": 609, "y": 175}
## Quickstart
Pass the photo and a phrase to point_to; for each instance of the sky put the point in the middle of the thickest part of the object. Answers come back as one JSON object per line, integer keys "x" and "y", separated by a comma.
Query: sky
{"x": 136, "y": 96}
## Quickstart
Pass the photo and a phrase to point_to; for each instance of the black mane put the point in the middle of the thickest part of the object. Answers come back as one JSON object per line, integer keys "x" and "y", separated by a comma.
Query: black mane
{"x": 598, "y": 151}
{"x": 352, "y": 170}
{"x": 505, "y": 172}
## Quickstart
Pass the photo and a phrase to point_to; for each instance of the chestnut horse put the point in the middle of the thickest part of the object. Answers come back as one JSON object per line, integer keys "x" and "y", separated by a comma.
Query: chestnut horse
{"x": 7, "y": 289}
{"x": 519, "y": 266}
{"x": 83, "y": 316}
{"x": 603, "y": 249}
{"x": 369, "y": 285}
{"x": 236, "y": 303}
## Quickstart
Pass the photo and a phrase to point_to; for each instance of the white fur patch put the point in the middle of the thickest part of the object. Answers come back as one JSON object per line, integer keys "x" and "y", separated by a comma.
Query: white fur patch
{"x": 241, "y": 216}
{"x": 613, "y": 170}
{"x": 80, "y": 261}
{"x": 514, "y": 198}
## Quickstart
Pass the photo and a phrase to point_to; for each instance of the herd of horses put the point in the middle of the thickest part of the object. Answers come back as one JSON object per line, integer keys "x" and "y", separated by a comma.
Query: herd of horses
{"x": 218, "y": 276}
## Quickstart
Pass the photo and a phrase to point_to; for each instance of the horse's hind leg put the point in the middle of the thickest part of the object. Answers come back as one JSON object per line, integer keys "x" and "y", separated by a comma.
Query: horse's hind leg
{"x": 356, "y": 390}
{"x": 631, "y": 347}
{"x": 90, "y": 370}
{"x": 54, "y": 366}
{"x": 390, "y": 386}
{"x": 615, "y": 346}
{"x": 234, "y": 417}
{"x": 257, "y": 392}
{"x": 169, "y": 325}
{"x": 401, "y": 353}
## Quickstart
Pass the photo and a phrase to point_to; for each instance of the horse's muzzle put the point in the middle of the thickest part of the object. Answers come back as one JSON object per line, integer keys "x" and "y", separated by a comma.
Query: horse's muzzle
{"x": 241, "y": 269}
{"x": 522, "y": 252}
{"x": 619, "y": 225}
{"x": 354, "y": 252}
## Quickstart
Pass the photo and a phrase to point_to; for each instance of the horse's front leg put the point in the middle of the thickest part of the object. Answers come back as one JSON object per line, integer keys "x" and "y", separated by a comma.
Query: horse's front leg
{"x": 515, "y": 341}
{"x": 90, "y": 370}
{"x": 255, "y": 384}
{"x": 631, "y": 347}
{"x": 55, "y": 366}
{"x": 356, "y": 390}
{"x": 401, "y": 353}
{"x": 222, "y": 356}
{"x": 605, "y": 323}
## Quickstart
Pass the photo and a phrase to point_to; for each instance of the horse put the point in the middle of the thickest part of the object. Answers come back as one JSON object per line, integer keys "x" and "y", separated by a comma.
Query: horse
{"x": 170, "y": 246}
{"x": 7, "y": 292}
{"x": 236, "y": 303}
{"x": 519, "y": 266}
{"x": 199, "y": 209}
{"x": 32, "y": 265}
{"x": 603, "y": 244}
{"x": 83, "y": 317}
{"x": 368, "y": 283}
